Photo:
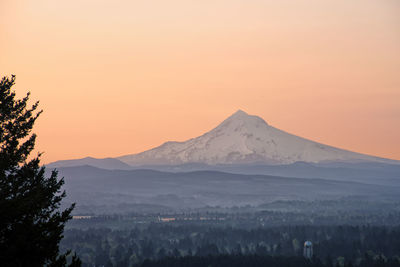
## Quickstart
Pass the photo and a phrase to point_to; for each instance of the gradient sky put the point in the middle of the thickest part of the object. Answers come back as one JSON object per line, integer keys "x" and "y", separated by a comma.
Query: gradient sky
{"x": 117, "y": 77}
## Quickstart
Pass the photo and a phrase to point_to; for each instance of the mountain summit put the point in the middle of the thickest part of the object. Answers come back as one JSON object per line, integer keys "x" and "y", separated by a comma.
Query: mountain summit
{"x": 244, "y": 139}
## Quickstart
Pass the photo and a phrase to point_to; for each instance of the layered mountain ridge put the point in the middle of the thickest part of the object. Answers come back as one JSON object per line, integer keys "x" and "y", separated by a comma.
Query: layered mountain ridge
{"x": 244, "y": 139}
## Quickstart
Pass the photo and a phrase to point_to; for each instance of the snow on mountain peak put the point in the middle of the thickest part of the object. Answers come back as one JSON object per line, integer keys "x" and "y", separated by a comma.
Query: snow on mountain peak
{"x": 239, "y": 113}
{"x": 243, "y": 138}
{"x": 242, "y": 117}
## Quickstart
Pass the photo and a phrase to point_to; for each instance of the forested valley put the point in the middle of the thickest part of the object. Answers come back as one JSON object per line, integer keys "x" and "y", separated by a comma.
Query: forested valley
{"x": 239, "y": 237}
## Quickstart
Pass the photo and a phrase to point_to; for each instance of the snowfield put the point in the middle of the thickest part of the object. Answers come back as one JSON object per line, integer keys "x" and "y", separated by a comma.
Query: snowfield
{"x": 244, "y": 138}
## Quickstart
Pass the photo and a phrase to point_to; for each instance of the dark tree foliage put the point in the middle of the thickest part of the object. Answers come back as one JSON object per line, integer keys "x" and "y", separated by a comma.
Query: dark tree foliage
{"x": 31, "y": 224}
{"x": 222, "y": 260}
{"x": 344, "y": 245}
{"x": 253, "y": 261}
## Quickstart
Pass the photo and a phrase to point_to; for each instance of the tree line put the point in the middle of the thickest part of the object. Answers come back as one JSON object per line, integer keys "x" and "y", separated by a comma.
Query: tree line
{"x": 130, "y": 247}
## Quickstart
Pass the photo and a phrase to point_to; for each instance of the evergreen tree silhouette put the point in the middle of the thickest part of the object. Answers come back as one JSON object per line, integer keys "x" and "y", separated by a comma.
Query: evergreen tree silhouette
{"x": 31, "y": 223}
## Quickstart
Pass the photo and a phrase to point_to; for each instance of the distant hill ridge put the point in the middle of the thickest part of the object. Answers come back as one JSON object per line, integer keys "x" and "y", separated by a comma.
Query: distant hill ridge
{"x": 91, "y": 186}
{"x": 106, "y": 163}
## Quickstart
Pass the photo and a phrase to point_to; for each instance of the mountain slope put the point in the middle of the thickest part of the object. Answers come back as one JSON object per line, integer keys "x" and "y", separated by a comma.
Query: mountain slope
{"x": 243, "y": 139}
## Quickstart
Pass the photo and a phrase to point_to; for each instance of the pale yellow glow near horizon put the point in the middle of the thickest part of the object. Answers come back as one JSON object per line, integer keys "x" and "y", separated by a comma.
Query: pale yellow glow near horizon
{"x": 120, "y": 77}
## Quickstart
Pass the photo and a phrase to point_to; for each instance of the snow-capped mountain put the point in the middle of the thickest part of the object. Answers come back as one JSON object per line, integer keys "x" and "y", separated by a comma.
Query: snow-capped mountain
{"x": 242, "y": 139}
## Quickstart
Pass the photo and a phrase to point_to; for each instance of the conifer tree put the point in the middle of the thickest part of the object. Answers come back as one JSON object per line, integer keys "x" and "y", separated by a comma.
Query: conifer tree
{"x": 31, "y": 222}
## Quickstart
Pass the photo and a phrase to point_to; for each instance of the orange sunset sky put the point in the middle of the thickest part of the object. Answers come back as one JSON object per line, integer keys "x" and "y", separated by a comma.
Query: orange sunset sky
{"x": 117, "y": 77}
